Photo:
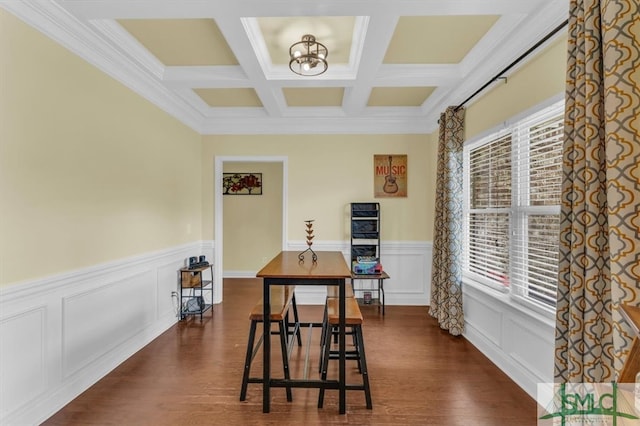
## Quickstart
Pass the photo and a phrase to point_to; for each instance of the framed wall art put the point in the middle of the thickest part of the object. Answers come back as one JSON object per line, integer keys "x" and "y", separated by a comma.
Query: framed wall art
{"x": 242, "y": 183}
{"x": 389, "y": 175}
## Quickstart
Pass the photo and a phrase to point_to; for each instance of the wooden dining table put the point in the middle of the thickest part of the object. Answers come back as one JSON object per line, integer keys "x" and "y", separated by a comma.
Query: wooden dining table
{"x": 288, "y": 268}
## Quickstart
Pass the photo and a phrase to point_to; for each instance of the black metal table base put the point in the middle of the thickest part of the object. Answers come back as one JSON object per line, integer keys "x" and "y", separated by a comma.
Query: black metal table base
{"x": 267, "y": 381}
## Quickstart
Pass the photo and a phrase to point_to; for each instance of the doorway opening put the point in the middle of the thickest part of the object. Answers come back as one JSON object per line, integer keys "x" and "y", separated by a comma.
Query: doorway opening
{"x": 220, "y": 162}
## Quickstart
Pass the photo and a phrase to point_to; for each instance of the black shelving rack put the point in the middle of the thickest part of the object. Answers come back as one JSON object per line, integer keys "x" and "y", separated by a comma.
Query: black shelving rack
{"x": 365, "y": 242}
{"x": 365, "y": 230}
{"x": 193, "y": 288}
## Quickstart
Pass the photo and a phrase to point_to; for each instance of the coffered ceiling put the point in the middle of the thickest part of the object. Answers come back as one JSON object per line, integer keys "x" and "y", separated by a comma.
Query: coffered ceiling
{"x": 221, "y": 66}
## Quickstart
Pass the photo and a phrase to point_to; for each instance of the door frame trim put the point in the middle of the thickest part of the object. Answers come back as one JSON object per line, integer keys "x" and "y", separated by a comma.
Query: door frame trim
{"x": 218, "y": 210}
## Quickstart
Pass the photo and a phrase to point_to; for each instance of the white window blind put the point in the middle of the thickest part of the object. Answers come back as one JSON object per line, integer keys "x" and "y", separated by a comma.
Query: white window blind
{"x": 534, "y": 265}
{"x": 512, "y": 207}
{"x": 489, "y": 209}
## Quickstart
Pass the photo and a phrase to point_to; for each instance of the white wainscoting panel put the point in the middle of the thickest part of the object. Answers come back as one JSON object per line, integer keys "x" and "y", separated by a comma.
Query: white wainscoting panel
{"x": 484, "y": 317}
{"x": 167, "y": 282}
{"x": 61, "y": 334}
{"x": 22, "y": 358}
{"x": 518, "y": 341}
{"x": 99, "y": 319}
{"x": 409, "y": 266}
{"x": 526, "y": 343}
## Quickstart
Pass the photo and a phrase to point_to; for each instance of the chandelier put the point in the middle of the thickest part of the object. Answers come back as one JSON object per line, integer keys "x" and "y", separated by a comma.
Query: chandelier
{"x": 308, "y": 57}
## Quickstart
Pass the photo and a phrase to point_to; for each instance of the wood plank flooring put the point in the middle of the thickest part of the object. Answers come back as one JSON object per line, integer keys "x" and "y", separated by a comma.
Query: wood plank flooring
{"x": 191, "y": 375}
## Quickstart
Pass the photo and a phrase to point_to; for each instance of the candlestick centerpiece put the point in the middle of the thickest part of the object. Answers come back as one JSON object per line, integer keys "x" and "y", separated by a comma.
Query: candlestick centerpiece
{"x": 309, "y": 230}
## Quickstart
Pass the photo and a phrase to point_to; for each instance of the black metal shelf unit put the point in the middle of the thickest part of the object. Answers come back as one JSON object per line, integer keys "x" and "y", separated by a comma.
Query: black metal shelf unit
{"x": 193, "y": 289}
{"x": 365, "y": 242}
{"x": 365, "y": 230}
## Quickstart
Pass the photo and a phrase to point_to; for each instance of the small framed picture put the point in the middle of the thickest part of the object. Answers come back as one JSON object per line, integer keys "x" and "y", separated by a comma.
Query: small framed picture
{"x": 242, "y": 183}
{"x": 389, "y": 175}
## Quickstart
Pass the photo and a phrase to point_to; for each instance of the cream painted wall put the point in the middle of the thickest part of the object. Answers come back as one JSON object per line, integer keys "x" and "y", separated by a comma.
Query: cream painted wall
{"x": 326, "y": 172}
{"x": 252, "y": 224}
{"x": 89, "y": 171}
{"x": 329, "y": 171}
{"x": 538, "y": 80}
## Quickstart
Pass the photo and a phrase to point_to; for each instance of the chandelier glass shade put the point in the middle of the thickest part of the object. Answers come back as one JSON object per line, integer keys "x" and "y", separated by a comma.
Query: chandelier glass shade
{"x": 308, "y": 57}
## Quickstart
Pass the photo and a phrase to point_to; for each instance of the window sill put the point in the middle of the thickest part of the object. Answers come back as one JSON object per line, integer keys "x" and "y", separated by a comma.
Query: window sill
{"x": 502, "y": 296}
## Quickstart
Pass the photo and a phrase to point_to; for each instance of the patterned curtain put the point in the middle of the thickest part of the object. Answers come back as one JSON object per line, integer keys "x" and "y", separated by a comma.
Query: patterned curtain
{"x": 600, "y": 210}
{"x": 446, "y": 275}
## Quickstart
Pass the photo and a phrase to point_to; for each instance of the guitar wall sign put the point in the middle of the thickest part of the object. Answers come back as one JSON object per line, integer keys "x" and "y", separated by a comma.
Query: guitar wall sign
{"x": 389, "y": 175}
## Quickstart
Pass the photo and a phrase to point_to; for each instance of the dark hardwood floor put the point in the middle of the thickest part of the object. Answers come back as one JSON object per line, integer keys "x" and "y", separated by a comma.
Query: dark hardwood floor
{"x": 191, "y": 375}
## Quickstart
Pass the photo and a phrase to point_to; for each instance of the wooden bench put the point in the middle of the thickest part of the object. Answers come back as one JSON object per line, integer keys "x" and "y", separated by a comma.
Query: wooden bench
{"x": 354, "y": 320}
{"x": 333, "y": 292}
{"x": 282, "y": 300}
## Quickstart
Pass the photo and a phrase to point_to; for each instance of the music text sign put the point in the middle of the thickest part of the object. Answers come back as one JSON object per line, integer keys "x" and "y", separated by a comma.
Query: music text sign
{"x": 389, "y": 175}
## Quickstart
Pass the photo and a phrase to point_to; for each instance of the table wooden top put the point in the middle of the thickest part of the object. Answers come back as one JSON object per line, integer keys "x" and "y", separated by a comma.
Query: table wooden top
{"x": 330, "y": 264}
{"x": 631, "y": 314}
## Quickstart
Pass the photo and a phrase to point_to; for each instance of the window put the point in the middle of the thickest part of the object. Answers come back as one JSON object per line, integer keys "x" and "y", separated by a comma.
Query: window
{"x": 512, "y": 207}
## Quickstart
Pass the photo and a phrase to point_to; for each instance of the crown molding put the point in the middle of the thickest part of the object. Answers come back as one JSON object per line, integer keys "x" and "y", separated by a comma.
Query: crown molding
{"x": 106, "y": 45}
{"x": 476, "y": 71}
{"x": 285, "y": 126}
{"x": 82, "y": 39}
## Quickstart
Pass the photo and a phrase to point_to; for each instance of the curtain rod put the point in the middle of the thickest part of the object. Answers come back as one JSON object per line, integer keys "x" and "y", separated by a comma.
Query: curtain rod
{"x": 512, "y": 64}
